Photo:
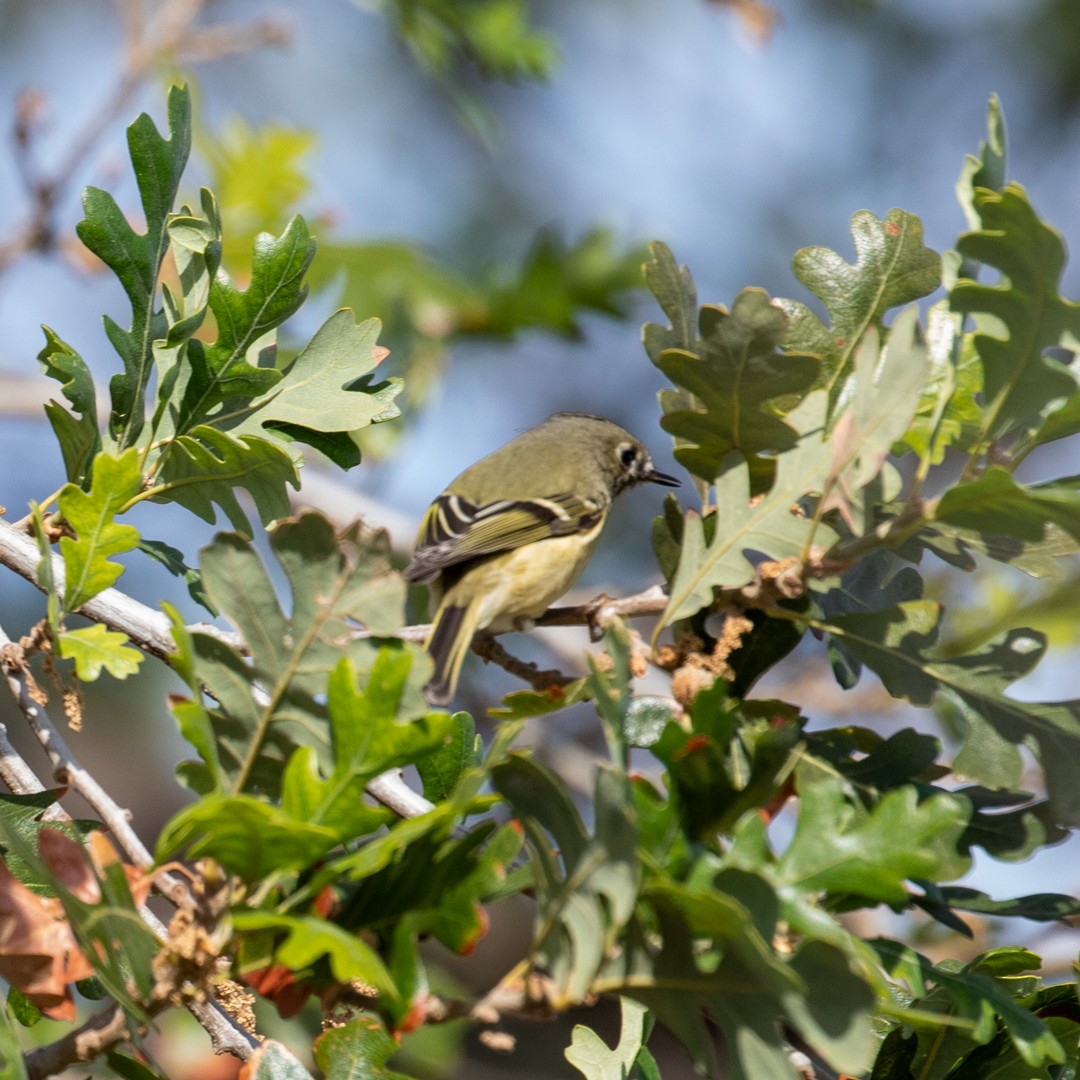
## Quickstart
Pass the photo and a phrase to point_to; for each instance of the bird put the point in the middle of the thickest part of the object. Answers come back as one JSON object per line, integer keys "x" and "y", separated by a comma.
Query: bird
{"x": 514, "y": 531}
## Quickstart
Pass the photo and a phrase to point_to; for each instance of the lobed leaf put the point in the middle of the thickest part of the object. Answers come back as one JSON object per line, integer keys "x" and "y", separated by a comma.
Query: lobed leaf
{"x": 357, "y": 1049}
{"x": 225, "y": 368}
{"x": 324, "y": 397}
{"x": 1019, "y": 318}
{"x": 94, "y": 648}
{"x": 889, "y": 382}
{"x": 77, "y": 435}
{"x": 728, "y": 373}
{"x": 275, "y": 703}
{"x": 136, "y": 258}
{"x": 115, "y": 481}
{"x": 307, "y": 939}
{"x": 840, "y": 847}
{"x": 767, "y": 525}
{"x": 585, "y": 893}
{"x": 743, "y": 985}
{"x": 595, "y": 1060}
{"x": 898, "y": 645}
{"x": 892, "y": 268}
{"x": 204, "y": 467}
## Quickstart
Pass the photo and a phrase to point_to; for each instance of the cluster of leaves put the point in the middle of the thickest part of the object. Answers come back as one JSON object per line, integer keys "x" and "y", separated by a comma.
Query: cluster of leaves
{"x": 195, "y": 414}
{"x": 674, "y": 891}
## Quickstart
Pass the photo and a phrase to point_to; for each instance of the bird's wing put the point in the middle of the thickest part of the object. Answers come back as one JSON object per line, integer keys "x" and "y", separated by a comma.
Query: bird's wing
{"x": 455, "y": 529}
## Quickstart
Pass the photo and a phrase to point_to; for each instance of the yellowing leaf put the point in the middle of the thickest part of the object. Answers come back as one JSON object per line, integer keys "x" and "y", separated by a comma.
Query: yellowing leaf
{"x": 93, "y": 648}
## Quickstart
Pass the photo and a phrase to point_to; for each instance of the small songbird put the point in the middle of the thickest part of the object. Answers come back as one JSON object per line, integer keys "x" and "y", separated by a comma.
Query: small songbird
{"x": 514, "y": 531}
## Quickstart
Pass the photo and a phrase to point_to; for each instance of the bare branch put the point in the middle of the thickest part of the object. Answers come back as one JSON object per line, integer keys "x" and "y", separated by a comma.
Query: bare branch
{"x": 171, "y": 38}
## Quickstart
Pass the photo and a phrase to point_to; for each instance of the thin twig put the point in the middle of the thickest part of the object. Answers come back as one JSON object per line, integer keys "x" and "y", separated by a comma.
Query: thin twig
{"x": 14, "y": 771}
{"x": 69, "y": 773}
{"x": 102, "y": 1030}
{"x": 171, "y": 38}
{"x": 488, "y": 649}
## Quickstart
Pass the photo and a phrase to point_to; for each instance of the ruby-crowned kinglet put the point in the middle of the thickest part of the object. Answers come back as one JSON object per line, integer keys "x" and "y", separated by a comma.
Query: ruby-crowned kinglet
{"x": 512, "y": 533}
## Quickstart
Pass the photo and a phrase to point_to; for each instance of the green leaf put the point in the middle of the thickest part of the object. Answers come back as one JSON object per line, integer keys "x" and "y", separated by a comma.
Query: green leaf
{"x": 892, "y": 268}
{"x": 249, "y": 837}
{"x": 955, "y": 545}
{"x": 366, "y": 740}
{"x": 528, "y": 704}
{"x": 888, "y": 384}
{"x": 308, "y": 939}
{"x": 730, "y": 378}
{"x": 1021, "y": 316}
{"x": 274, "y": 703}
{"x": 129, "y": 1068}
{"x": 11, "y": 1053}
{"x": 259, "y": 174}
{"x": 20, "y": 815}
{"x": 948, "y": 413}
{"x": 994, "y": 504}
{"x": 1040, "y": 907}
{"x": 586, "y": 893}
{"x": 1008, "y": 825}
{"x": 733, "y": 758}
{"x": 173, "y": 561}
{"x": 592, "y": 1057}
{"x": 320, "y": 391}
{"x": 22, "y": 1009}
{"x": 87, "y": 566}
{"x": 203, "y": 468}
{"x": 558, "y": 280}
{"x": 988, "y": 169}
{"x": 93, "y": 648}
{"x": 744, "y": 986}
{"x": 78, "y": 436}
{"x": 897, "y": 644}
{"x": 136, "y": 258}
{"x": 441, "y": 769}
{"x": 840, "y": 847}
{"x": 766, "y": 525}
{"x": 872, "y": 584}
{"x": 974, "y": 996}
{"x": 359, "y": 1049}
{"x": 224, "y": 369}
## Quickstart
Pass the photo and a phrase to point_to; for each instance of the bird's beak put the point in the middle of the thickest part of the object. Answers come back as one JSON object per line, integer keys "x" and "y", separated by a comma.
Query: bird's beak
{"x": 654, "y": 476}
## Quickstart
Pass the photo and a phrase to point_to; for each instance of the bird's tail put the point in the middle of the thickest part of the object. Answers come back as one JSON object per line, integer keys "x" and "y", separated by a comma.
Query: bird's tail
{"x": 451, "y": 636}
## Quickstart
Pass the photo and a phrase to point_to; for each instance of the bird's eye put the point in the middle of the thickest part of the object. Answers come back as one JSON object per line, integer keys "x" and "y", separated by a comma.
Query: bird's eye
{"x": 628, "y": 456}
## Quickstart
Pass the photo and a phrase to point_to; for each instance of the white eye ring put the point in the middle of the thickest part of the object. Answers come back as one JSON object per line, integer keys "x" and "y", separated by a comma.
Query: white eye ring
{"x": 628, "y": 455}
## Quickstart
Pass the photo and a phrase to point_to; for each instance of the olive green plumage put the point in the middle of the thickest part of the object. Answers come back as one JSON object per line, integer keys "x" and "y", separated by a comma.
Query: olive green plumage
{"x": 514, "y": 531}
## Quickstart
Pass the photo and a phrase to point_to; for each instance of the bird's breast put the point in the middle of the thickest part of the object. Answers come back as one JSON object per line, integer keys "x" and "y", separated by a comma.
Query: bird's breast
{"x": 522, "y": 584}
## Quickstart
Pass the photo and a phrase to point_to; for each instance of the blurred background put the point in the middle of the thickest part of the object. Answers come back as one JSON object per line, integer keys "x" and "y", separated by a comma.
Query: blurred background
{"x": 485, "y": 185}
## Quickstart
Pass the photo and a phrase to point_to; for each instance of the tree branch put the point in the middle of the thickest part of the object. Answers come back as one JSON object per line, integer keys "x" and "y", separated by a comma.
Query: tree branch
{"x": 102, "y": 1030}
